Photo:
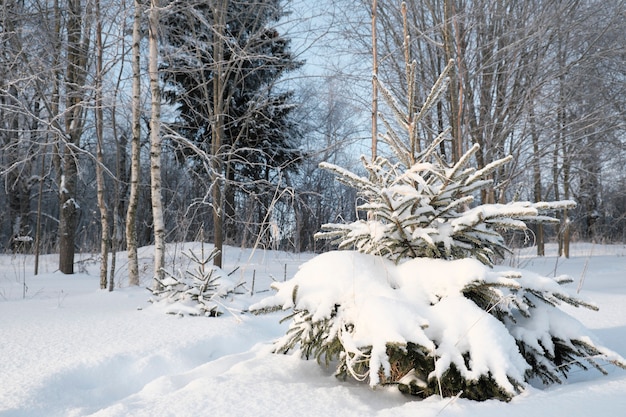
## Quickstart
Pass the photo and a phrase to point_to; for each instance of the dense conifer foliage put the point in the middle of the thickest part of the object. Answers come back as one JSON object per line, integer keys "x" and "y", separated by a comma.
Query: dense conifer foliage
{"x": 417, "y": 301}
{"x": 234, "y": 95}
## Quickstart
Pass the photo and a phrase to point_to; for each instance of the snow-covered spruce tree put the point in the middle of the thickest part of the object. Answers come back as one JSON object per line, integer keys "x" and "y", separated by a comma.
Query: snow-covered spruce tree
{"x": 417, "y": 301}
{"x": 194, "y": 292}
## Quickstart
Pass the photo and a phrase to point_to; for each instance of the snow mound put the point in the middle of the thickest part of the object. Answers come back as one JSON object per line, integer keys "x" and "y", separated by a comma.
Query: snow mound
{"x": 433, "y": 320}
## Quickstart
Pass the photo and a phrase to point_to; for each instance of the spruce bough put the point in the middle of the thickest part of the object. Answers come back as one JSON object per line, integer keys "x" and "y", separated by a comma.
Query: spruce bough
{"x": 414, "y": 298}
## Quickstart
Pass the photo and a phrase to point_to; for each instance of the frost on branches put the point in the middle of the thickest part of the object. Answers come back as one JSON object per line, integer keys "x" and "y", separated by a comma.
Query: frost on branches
{"x": 194, "y": 292}
{"x": 424, "y": 210}
{"x": 415, "y": 299}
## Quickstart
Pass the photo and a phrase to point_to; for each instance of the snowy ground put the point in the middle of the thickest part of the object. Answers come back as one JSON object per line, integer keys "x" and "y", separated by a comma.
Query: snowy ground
{"x": 70, "y": 349}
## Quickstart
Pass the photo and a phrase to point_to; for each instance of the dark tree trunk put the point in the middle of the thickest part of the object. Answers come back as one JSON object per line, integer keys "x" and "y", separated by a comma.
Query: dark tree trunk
{"x": 78, "y": 31}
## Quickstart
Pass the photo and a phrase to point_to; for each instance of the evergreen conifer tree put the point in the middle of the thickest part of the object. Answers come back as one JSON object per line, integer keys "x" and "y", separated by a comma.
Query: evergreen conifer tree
{"x": 194, "y": 292}
{"x": 415, "y": 299}
{"x": 418, "y": 206}
{"x": 259, "y": 134}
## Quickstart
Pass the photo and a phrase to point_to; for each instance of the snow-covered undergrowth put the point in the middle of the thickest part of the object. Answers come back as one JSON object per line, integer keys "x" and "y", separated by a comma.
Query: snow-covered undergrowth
{"x": 429, "y": 320}
{"x": 195, "y": 291}
{"x": 70, "y": 349}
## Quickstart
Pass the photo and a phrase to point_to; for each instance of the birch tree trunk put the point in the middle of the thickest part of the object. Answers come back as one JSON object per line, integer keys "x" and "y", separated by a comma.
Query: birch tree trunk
{"x": 133, "y": 200}
{"x": 155, "y": 144}
{"x": 104, "y": 217}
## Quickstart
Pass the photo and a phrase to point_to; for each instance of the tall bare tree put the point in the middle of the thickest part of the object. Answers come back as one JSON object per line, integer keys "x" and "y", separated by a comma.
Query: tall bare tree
{"x": 155, "y": 142}
{"x": 19, "y": 113}
{"x": 217, "y": 127}
{"x": 374, "y": 81}
{"x": 78, "y": 32}
{"x": 133, "y": 199}
{"x": 99, "y": 119}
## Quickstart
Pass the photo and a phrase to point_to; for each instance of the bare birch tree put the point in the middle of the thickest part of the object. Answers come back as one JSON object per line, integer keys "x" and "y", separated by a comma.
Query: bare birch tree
{"x": 155, "y": 142}
{"x": 99, "y": 119}
{"x": 133, "y": 199}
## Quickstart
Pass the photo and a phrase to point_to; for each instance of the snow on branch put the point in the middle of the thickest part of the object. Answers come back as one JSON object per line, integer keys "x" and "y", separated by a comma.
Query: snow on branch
{"x": 423, "y": 210}
{"x": 194, "y": 292}
{"x": 454, "y": 321}
{"x": 416, "y": 299}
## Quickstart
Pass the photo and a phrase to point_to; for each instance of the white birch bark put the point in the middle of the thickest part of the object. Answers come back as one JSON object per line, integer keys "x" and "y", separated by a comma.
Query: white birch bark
{"x": 133, "y": 200}
{"x": 155, "y": 144}
{"x": 104, "y": 217}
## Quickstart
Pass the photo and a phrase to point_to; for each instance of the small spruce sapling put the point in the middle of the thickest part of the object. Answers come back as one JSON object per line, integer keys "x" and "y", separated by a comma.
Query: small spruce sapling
{"x": 196, "y": 291}
{"x": 415, "y": 299}
{"x": 418, "y": 206}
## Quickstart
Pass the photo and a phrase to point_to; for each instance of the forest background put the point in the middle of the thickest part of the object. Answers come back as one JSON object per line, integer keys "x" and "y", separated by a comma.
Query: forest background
{"x": 129, "y": 123}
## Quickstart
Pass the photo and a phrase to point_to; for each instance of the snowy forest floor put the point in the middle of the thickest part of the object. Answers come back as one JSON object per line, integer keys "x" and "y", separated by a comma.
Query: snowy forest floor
{"x": 70, "y": 349}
